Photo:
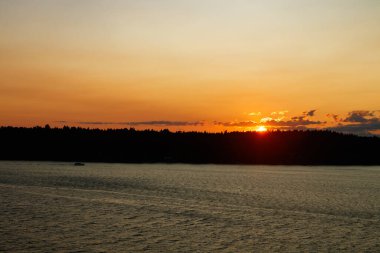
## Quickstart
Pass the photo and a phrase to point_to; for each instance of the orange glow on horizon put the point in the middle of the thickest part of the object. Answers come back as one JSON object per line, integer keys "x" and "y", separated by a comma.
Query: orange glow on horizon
{"x": 97, "y": 65}
{"x": 261, "y": 129}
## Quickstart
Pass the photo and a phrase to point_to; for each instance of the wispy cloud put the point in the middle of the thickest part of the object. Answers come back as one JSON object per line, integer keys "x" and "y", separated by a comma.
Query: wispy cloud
{"x": 166, "y": 123}
{"x": 254, "y": 113}
{"x": 248, "y": 123}
{"x": 271, "y": 123}
{"x": 295, "y": 122}
{"x": 266, "y": 119}
{"x": 139, "y": 123}
{"x": 282, "y": 113}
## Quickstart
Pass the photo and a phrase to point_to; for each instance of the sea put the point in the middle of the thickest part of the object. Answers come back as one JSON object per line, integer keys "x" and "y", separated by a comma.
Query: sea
{"x": 99, "y": 207}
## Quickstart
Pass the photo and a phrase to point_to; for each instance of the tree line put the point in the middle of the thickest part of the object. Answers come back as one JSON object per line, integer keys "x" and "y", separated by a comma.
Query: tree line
{"x": 73, "y": 144}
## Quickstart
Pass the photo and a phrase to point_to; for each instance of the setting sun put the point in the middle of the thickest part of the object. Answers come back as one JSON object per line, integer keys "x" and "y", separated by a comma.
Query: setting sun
{"x": 261, "y": 129}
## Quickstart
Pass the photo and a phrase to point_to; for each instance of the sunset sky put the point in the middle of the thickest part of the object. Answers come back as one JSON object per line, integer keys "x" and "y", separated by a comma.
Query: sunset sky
{"x": 191, "y": 65}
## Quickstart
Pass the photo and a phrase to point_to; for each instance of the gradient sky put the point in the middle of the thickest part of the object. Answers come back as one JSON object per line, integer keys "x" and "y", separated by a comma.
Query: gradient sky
{"x": 190, "y": 65}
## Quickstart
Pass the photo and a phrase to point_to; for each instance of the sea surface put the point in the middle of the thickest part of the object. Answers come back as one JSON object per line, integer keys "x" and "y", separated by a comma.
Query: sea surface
{"x": 57, "y": 207}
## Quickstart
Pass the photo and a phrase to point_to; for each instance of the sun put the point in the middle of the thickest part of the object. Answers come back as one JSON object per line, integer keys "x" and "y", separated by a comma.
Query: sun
{"x": 261, "y": 129}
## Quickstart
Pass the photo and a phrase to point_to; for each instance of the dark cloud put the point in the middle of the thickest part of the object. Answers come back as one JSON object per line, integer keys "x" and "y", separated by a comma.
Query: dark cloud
{"x": 361, "y": 122}
{"x": 359, "y": 129}
{"x": 360, "y": 116}
{"x": 140, "y": 123}
{"x": 310, "y": 113}
{"x": 304, "y": 115}
{"x": 290, "y": 128}
{"x": 294, "y": 122}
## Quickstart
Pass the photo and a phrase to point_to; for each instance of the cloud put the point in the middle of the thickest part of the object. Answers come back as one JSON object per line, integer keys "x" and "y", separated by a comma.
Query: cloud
{"x": 359, "y": 129}
{"x": 166, "y": 123}
{"x": 360, "y": 116}
{"x": 309, "y": 113}
{"x": 304, "y": 115}
{"x": 140, "y": 123}
{"x": 360, "y": 122}
{"x": 236, "y": 124}
{"x": 296, "y": 122}
{"x": 282, "y": 113}
{"x": 96, "y": 123}
{"x": 335, "y": 117}
{"x": 272, "y": 123}
{"x": 254, "y": 114}
{"x": 265, "y": 119}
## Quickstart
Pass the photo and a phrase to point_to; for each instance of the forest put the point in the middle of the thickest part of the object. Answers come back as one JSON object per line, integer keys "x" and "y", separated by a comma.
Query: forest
{"x": 75, "y": 144}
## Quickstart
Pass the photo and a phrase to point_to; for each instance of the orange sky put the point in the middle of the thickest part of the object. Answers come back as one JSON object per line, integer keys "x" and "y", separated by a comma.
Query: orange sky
{"x": 189, "y": 65}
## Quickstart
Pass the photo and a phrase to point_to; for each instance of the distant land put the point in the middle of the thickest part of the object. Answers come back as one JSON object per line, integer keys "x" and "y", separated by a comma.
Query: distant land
{"x": 73, "y": 144}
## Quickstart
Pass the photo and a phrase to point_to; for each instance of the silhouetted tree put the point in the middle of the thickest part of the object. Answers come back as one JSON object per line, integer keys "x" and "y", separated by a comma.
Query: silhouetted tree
{"x": 148, "y": 146}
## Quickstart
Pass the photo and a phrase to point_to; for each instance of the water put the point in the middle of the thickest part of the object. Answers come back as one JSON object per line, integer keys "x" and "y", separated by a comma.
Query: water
{"x": 48, "y": 207}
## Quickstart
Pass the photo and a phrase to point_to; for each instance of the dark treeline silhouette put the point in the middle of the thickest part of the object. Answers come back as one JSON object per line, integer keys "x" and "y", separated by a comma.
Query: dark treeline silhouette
{"x": 148, "y": 146}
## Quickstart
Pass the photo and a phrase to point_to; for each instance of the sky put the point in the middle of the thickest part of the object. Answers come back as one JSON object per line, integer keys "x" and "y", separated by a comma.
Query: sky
{"x": 199, "y": 65}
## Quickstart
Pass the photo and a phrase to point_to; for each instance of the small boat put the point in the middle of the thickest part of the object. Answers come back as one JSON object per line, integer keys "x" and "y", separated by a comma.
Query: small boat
{"x": 79, "y": 164}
